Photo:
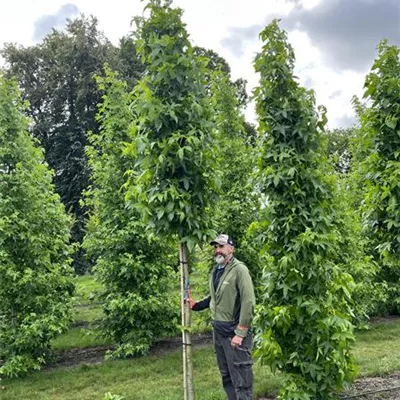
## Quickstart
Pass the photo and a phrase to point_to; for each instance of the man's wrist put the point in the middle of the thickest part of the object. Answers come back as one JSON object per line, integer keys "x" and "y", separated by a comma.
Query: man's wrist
{"x": 241, "y": 331}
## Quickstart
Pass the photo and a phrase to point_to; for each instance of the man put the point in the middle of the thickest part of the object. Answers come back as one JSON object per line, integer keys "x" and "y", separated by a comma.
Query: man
{"x": 231, "y": 302}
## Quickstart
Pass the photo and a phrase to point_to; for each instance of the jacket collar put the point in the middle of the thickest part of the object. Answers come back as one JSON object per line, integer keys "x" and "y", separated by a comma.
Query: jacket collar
{"x": 227, "y": 268}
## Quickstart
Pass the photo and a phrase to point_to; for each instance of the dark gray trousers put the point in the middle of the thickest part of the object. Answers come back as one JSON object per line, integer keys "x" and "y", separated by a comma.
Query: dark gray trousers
{"x": 235, "y": 366}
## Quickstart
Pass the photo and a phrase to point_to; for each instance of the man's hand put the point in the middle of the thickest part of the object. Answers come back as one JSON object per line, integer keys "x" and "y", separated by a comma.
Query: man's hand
{"x": 236, "y": 341}
{"x": 190, "y": 300}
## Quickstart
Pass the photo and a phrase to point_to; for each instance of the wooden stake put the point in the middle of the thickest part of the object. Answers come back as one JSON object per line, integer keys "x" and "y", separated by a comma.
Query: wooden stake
{"x": 188, "y": 384}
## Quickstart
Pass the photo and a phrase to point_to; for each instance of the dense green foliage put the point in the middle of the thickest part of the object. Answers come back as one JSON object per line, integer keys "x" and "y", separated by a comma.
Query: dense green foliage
{"x": 57, "y": 78}
{"x": 368, "y": 295}
{"x": 35, "y": 274}
{"x": 304, "y": 320}
{"x": 214, "y": 63}
{"x": 173, "y": 176}
{"x": 238, "y": 205}
{"x": 378, "y": 169}
{"x": 157, "y": 156}
{"x": 339, "y": 148}
{"x": 132, "y": 265}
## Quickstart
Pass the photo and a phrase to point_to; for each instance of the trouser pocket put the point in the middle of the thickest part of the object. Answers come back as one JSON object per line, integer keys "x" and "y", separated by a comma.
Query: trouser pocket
{"x": 244, "y": 374}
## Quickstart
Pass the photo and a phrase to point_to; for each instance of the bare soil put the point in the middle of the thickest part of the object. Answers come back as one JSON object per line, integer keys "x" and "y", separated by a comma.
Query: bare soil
{"x": 95, "y": 355}
{"x": 374, "y": 388}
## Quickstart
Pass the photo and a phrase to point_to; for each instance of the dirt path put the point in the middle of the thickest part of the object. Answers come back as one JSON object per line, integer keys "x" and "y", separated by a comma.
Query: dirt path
{"x": 386, "y": 387}
{"x": 95, "y": 355}
{"x": 375, "y": 388}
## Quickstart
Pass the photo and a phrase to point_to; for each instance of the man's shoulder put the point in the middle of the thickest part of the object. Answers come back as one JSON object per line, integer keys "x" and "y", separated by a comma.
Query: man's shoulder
{"x": 239, "y": 265}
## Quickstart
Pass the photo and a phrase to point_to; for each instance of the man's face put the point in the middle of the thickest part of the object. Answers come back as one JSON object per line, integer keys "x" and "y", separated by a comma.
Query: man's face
{"x": 224, "y": 250}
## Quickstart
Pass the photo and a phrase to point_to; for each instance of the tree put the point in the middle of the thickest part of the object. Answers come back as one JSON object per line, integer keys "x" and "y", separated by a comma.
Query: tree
{"x": 214, "y": 62}
{"x": 304, "y": 323}
{"x": 133, "y": 266}
{"x": 238, "y": 205}
{"x": 368, "y": 294}
{"x": 339, "y": 148}
{"x": 57, "y": 78}
{"x": 378, "y": 171}
{"x": 36, "y": 289}
{"x": 129, "y": 65}
{"x": 173, "y": 176}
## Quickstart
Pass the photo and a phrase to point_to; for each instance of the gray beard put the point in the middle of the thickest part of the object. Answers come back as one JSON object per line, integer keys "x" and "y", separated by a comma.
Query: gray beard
{"x": 219, "y": 259}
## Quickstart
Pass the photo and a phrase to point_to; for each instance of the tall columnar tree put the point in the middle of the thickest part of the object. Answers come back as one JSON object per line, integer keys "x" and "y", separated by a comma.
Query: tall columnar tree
{"x": 132, "y": 265}
{"x": 368, "y": 295}
{"x": 379, "y": 167}
{"x": 304, "y": 322}
{"x": 35, "y": 275}
{"x": 173, "y": 175}
{"x": 56, "y": 76}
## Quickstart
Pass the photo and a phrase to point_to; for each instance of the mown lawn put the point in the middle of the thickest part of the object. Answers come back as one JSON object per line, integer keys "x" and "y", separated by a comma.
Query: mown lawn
{"x": 377, "y": 350}
{"x": 87, "y": 304}
{"x": 159, "y": 377}
{"x": 145, "y": 378}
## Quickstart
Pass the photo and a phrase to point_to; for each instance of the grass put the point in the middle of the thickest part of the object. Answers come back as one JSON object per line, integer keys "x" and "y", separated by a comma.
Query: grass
{"x": 87, "y": 306}
{"x": 145, "y": 378}
{"x": 78, "y": 338}
{"x": 159, "y": 377}
{"x": 86, "y": 289}
{"x": 87, "y": 310}
{"x": 378, "y": 350}
{"x": 87, "y": 313}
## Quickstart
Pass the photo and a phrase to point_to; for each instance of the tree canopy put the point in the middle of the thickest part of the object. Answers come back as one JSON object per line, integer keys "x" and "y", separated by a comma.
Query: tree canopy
{"x": 134, "y": 267}
{"x": 173, "y": 177}
{"x": 304, "y": 322}
{"x": 377, "y": 172}
{"x": 56, "y": 76}
{"x": 36, "y": 289}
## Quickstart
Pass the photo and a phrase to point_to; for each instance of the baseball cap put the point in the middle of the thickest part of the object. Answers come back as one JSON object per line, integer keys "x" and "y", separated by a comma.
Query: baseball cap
{"x": 223, "y": 239}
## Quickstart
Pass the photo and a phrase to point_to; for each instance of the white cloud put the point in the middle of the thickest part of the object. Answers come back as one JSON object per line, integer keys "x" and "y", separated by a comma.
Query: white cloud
{"x": 229, "y": 27}
{"x": 45, "y": 24}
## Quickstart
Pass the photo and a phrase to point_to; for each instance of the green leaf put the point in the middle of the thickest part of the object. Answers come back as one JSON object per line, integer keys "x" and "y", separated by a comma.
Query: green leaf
{"x": 160, "y": 214}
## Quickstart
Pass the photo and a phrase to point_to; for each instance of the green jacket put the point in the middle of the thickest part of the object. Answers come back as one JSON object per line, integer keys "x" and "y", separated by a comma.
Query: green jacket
{"x": 234, "y": 299}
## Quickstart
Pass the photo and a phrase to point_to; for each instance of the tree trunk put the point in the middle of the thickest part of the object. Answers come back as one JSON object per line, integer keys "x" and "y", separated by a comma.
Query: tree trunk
{"x": 188, "y": 385}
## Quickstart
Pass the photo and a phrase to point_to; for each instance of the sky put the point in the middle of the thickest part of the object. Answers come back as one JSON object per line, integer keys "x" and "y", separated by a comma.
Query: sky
{"x": 334, "y": 40}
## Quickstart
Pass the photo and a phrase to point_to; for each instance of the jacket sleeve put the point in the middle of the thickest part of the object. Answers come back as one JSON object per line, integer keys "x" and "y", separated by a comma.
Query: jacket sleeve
{"x": 247, "y": 297}
{"x": 202, "y": 304}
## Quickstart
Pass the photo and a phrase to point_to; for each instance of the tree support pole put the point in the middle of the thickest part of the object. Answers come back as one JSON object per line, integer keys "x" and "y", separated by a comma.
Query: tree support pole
{"x": 188, "y": 384}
